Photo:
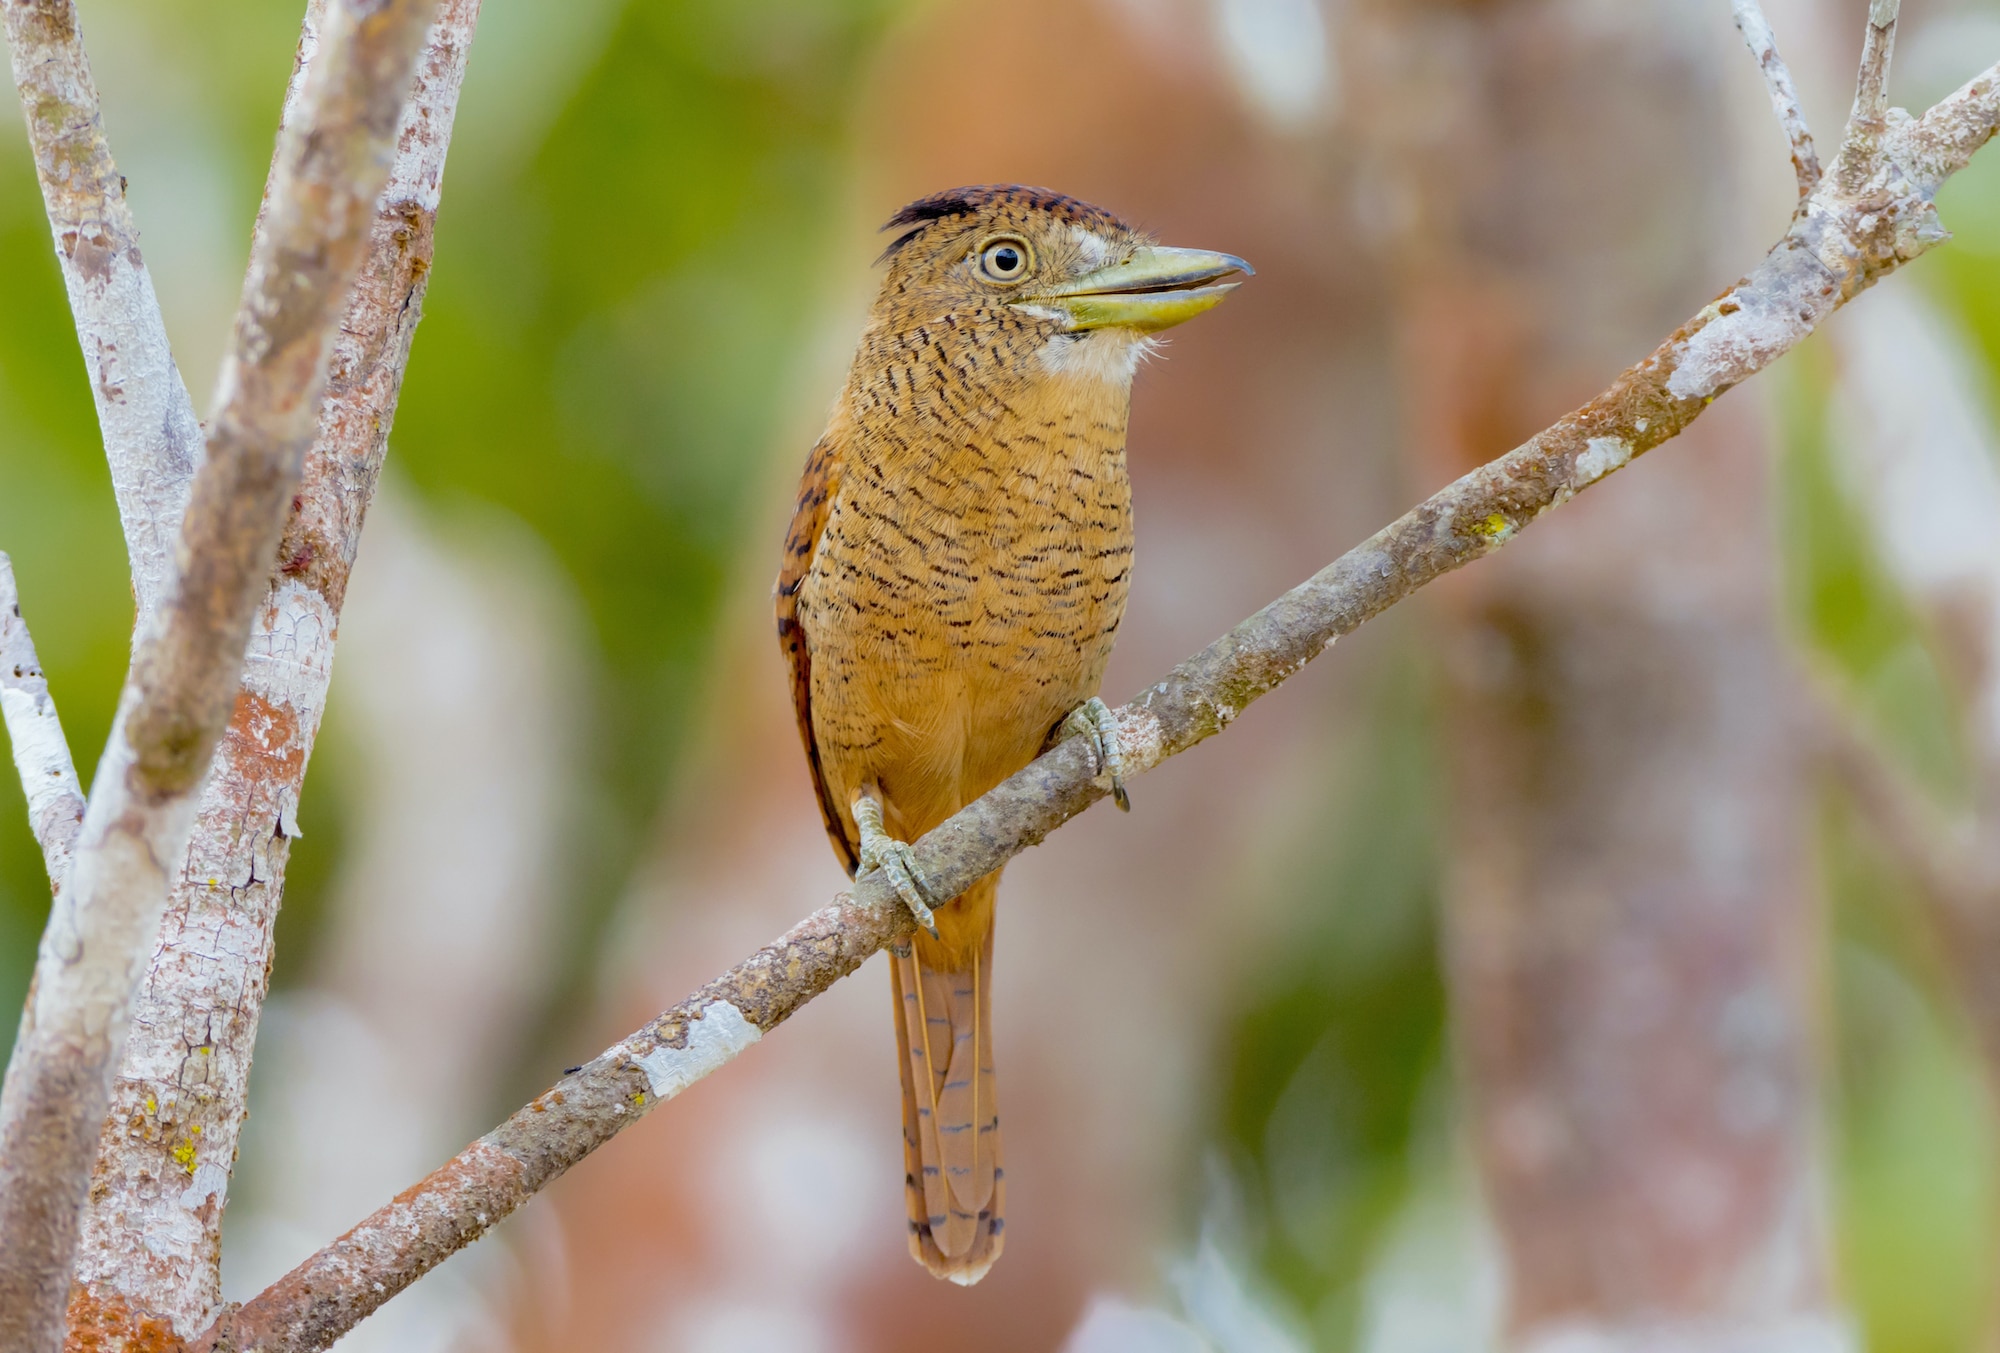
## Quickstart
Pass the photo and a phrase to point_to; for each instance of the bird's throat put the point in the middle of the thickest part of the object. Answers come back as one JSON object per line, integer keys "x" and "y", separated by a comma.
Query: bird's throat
{"x": 1110, "y": 356}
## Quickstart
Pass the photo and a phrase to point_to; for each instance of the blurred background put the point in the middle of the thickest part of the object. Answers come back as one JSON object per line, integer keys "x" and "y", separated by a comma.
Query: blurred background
{"x": 1512, "y": 978}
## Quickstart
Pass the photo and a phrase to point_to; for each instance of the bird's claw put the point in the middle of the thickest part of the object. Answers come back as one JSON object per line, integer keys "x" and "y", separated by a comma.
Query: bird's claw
{"x": 895, "y": 859}
{"x": 879, "y": 850}
{"x": 1093, "y": 720}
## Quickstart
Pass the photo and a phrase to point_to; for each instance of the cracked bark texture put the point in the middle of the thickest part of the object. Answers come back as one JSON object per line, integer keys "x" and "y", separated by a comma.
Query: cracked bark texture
{"x": 152, "y": 439}
{"x": 151, "y": 1242}
{"x": 330, "y": 168}
{"x": 1843, "y": 240}
{"x": 1630, "y": 951}
{"x": 459, "y": 655}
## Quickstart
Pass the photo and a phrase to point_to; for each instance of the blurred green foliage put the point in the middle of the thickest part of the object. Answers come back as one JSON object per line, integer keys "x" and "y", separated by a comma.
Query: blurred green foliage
{"x": 1330, "y": 1059}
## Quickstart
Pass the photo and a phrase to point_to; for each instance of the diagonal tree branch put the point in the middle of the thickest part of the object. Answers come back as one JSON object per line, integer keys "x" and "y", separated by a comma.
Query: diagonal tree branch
{"x": 41, "y": 753}
{"x": 1839, "y": 244}
{"x": 186, "y": 664}
{"x": 150, "y": 1253}
{"x": 151, "y": 437}
{"x": 1763, "y": 45}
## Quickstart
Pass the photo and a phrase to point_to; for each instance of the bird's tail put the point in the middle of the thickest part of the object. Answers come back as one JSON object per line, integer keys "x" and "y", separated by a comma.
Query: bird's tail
{"x": 952, "y": 1182}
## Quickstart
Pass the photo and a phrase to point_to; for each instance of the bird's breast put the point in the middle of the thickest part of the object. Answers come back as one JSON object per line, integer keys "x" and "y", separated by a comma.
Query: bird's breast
{"x": 966, "y": 591}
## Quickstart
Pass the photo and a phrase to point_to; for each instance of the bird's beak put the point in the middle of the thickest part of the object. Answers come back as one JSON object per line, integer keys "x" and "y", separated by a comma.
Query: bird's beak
{"x": 1154, "y": 289}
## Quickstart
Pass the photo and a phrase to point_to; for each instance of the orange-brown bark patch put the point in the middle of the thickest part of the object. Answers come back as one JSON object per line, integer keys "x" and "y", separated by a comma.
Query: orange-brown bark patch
{"x": 102, "y": 1324}
{"x": 264, "y": 741}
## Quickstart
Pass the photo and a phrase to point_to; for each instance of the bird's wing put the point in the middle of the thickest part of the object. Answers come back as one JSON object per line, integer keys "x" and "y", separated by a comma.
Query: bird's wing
{"x": 816, "y": 490}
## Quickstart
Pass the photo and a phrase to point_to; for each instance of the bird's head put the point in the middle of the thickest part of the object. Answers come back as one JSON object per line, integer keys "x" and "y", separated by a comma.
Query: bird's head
{"x": 1036, "y": 279}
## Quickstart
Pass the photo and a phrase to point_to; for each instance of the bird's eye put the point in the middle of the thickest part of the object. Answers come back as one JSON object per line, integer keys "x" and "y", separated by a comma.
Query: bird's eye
{"x": 1004, "y": 260}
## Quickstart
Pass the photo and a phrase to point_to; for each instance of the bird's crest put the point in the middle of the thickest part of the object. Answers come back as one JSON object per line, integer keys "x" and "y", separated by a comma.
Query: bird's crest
{"x": 1008, "y": 200}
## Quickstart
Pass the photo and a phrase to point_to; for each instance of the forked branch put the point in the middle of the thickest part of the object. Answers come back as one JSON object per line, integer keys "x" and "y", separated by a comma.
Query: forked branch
{"x": 1847, "y": 235}
{"x": 150, "y": 1254}
{"x": 186, "y": 665}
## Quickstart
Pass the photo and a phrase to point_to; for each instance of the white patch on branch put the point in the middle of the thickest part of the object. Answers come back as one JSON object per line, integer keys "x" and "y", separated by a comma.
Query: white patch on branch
{"x": 712, "y": 1041}
{"x": 1601, "y": 455}
{"x": 1141, "y": 743}
{"x": 1745, "y": 331}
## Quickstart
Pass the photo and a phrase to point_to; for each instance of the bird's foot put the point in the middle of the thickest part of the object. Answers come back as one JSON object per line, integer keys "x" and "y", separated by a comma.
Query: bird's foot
{"x": 879, "y": 850}
{"x": 1093, "y": 719}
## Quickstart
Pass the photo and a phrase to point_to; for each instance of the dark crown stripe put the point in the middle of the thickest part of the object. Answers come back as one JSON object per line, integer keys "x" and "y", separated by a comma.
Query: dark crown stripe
{"x": 953, "y": 202}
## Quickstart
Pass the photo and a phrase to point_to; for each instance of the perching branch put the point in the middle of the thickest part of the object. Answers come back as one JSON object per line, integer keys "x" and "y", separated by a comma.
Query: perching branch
{"x": 1784, "y": 94}
{"x": 178, "y": 1105}
{"x": 41, "y": 753}
{"x": 186, "y": 664}
{"x": 1844, "y": 240}
{"x": 151, "y": 437}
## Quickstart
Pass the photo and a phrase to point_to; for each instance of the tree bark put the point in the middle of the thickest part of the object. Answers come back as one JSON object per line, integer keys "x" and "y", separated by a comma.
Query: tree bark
{"x": 186, "y": 664}
{"x": 151, "y": 1245}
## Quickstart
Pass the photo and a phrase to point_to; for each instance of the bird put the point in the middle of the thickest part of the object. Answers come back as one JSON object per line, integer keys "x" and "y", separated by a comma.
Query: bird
{"x": 951, "y": 586}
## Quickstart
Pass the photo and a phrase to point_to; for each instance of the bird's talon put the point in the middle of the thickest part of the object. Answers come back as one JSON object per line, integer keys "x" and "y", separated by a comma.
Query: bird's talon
{"x": 1093, "y": 720}
{"x": 879, "y": 850}
{"x": 902, "y": 870}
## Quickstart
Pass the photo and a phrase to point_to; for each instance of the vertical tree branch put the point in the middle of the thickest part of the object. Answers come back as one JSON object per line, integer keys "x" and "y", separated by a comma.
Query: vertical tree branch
{"x": 1861, "y": 147}
{"x": 151, "y": 437}
{"x": 186, "y": 665}
{"x": 41, "y": 753}
{"x": 150, "y": 1252}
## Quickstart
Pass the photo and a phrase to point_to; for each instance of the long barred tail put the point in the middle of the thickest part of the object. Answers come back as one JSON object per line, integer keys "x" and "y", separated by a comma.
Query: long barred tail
{"x": 953, "y": 1182}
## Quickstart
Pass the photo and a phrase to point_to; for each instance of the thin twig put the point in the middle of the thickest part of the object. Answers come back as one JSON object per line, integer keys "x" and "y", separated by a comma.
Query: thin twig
{"x": 1860, "y": 151}
{"x": 1831, "y": 253}
{"x": 148, "y": 1253}
{"x": 152, "y": 439}
{"x": 1784, "y": 94}
{"x": 41, "y": 753}
{"x": 186, "y": 667}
